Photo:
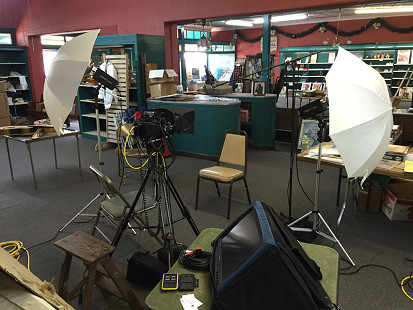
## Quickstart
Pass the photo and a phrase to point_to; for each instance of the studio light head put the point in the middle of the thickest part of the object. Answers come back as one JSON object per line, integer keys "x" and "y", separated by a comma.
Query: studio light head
{"x": 313, "y": 108}
{"x": 105, "y": 79}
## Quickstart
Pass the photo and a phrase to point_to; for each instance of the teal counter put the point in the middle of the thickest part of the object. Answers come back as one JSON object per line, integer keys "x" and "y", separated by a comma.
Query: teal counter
{"x": 213, "y": 117}
{"x": 261, "y": 123}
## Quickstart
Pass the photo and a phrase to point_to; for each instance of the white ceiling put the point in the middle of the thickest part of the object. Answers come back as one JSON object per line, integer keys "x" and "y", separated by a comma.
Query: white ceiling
{"x": 328, "y": 15}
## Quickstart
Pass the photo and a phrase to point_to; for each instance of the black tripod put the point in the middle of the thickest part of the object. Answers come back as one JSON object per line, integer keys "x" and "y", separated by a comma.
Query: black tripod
{"x": 163, "y": 187}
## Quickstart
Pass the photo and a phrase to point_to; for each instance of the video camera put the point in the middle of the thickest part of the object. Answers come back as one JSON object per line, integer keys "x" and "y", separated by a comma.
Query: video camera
{"x": 159, "y": 123}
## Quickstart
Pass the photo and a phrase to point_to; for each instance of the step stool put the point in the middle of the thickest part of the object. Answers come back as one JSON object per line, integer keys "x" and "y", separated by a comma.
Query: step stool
{"x": 92, "y": 252}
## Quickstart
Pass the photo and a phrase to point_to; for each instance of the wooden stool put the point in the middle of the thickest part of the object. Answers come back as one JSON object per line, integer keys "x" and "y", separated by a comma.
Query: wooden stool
{"x": 92, "y": 252}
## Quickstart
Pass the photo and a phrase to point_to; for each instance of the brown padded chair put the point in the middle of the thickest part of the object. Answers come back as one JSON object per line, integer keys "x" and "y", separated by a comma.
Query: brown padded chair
{"x": 234, "y": 153}
{"x": 138, "y": 152}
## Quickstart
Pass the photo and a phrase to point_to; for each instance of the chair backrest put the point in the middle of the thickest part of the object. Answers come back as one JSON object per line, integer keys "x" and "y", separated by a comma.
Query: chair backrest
{"x": 122, "y": 132}
{"x": 108, "y": 185}
{"x": 234, "y": 148}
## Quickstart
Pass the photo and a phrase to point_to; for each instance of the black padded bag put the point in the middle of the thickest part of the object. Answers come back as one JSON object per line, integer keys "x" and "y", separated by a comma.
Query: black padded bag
{"x": 145, "y": 269}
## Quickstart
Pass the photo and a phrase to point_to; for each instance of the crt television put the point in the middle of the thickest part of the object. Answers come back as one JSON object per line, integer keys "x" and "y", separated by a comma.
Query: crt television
{"x": 257, "y": 263}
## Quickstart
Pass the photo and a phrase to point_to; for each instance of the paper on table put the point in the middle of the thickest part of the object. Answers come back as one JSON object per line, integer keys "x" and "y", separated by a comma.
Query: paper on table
{"x": 189, "y": 302}
{"x": 327, "y": 150}
{"x": 387, "y": 164}
{"x": 408, "y": 166}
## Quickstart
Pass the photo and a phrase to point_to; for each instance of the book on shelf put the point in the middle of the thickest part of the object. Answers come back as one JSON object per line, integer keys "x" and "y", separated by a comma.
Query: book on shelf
{"x": 331, "y": 57}
{"x": 403, "y": 56}
{"x": 313, "y": 59}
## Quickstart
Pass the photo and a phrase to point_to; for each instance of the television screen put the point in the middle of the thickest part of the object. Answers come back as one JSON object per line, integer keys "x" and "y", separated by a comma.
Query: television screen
{"x": 257, "y": 255}
{"x": 239, "y": 243}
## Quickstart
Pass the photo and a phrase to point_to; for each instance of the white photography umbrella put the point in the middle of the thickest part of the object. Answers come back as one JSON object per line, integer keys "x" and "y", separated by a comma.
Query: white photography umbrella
{"x": 361, "y": 117}
{"x": 65, "y": 75}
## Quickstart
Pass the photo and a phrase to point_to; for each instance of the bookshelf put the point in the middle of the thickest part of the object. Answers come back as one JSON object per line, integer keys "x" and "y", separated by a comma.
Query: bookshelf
{"x": 385, "y": 58}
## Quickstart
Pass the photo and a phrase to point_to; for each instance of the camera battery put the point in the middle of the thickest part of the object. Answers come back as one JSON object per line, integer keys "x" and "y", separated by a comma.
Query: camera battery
{"x": 170, "y": 282}
{"x": 187, "y": 282}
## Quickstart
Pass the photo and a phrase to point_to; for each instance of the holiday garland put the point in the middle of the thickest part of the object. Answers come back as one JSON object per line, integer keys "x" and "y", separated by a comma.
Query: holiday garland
{"x": 322, "y": 27}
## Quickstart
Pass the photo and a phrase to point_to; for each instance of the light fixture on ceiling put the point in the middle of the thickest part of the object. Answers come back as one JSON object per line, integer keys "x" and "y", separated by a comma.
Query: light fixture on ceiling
{"x": 238, "y": 22}
{"x": 384, "y": 9}
{"x": 282, "y": 18}
{"x": 203, "y": 42}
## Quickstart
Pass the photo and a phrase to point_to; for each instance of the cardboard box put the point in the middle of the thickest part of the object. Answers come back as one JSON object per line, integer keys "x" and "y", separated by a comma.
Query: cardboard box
{"x": 2, "y": 87}
{"x": 375, "y": 197}
{"x": 148, "y": 68}
{"x": 397, "y": 201}
{"x": 162, "y": 76}
{"x": 5, "y": 121}
{"x": 163, "y": 89}
{"x": 4, "y": 106}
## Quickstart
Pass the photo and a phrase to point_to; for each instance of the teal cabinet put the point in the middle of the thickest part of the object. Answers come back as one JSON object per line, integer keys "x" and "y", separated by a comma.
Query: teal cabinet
{"x": 212, "y": 120}
{"x": 260, "y": 125}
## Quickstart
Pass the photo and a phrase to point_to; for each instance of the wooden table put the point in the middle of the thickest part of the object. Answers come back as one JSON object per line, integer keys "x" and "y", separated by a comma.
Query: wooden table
{"x": 326, "y": 258}
{"x": 28, "y": 140}
{"x": 395, "y": 172}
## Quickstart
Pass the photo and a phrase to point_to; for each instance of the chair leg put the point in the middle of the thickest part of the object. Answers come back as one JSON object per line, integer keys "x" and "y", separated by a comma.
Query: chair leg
{"x": 248, "y": 192}
{"x": 197, "y": 193}
{"x": 217, "y": 188}
{"x": 229, "y": 200}
{"x": 96, "y": 221}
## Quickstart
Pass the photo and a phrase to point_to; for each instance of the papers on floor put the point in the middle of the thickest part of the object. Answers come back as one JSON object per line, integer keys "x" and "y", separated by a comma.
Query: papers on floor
{"x": 189, "y": 302}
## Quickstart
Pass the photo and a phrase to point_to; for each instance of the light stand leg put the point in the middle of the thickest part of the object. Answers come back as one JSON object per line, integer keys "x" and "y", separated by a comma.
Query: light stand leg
{"x": 315, "y": 211}
{"x": 80, "y": 213}
{"x": 292, "y": 146}
{"x": 95, "y": 94}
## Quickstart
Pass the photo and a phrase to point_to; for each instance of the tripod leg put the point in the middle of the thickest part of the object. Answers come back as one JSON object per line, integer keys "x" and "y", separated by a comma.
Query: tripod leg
{"x": 184, "y": 210}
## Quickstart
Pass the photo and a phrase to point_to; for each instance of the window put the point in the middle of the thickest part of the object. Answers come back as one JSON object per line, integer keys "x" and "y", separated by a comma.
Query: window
{"x": 5, "y": 38}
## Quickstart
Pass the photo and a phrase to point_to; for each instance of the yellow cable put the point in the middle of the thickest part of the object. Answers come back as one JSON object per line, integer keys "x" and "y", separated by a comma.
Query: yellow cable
{"x": 164, "y": 166}
{"x": 402, "y": 285}
{"x": 16, "y": 247}
{"x": 124, "y": 152}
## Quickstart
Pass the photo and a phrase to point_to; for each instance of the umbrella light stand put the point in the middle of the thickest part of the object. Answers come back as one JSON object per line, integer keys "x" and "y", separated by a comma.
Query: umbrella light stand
{"x": 317, "y": 217}
{"x": 101, "y": 163}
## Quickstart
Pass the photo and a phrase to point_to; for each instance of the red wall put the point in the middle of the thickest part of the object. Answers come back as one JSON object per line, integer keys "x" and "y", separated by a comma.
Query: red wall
{"x": 37, "y": 17}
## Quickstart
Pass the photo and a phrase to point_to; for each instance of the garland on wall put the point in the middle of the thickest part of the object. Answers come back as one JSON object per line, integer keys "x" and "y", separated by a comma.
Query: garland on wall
{"x": 376, "y": 23}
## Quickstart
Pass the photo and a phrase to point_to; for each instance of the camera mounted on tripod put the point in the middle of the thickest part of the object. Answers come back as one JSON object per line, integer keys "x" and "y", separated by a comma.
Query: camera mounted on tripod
{"x": 158, "y": 124}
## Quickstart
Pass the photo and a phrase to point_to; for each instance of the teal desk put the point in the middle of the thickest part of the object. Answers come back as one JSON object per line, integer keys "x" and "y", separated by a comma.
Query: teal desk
{"x": 326, "y": 258}
{"x": 213, "y": 117}
{"x": 261, "y": 125}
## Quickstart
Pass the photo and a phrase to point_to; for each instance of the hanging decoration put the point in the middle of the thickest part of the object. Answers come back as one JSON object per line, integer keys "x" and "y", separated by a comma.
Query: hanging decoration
{"x": 376, "y": 26}
{"x": 323, "y": 27}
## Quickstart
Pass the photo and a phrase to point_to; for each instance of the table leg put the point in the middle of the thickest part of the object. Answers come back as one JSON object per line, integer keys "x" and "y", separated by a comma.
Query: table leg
{"x": 78, "y": 154}
{"x": 31, "y": 163}
{"x": 339, "y": 186}
{"x": 8, "y": 154}
{"x": 55, "y": 156}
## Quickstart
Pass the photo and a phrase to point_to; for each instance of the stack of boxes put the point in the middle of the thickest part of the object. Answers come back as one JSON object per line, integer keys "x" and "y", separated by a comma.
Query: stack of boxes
{"x": 162, "y": 82}
{"x": 4, "y": 106}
